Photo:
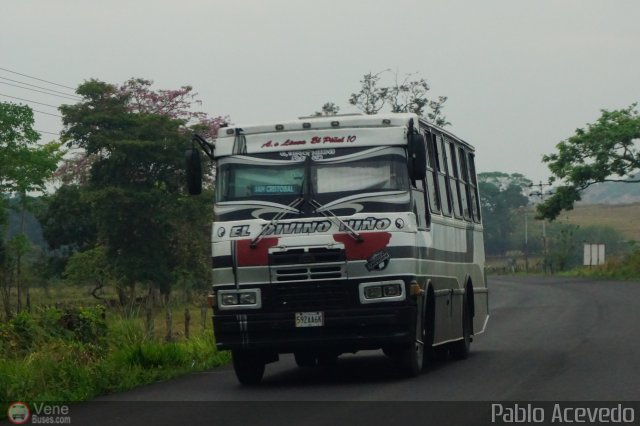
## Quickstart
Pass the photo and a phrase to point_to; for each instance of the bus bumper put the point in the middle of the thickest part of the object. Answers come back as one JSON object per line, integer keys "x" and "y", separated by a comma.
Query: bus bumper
{"x": 346, "y": 330}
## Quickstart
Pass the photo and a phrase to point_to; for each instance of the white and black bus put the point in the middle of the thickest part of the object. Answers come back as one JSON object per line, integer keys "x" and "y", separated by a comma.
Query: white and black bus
{"x": 338, "y": 234}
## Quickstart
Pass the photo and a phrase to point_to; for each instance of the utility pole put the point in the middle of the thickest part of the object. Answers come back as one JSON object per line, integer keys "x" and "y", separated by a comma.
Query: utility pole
{"x": 540, "y": 193}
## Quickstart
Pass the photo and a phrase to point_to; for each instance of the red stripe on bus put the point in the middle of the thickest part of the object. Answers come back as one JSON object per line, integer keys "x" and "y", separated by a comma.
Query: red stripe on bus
{"x": 257, "y": 256}
{"x": 371, "y": 243}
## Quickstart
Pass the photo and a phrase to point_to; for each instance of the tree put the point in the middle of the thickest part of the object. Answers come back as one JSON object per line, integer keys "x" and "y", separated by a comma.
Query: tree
{"x": 500, "y": 195}
{"x": 25, "y": 166}
{"x": 606, "y": 151}
{"x": 133, "y": 97}
{"x": 371, "y": 98}
{"x": 89, "y": 267}
{"x": 67, "y": 223}
{"x": 328, "y": 109}
{"x": 136, "y": 138}
{"x": 406, "y": 95}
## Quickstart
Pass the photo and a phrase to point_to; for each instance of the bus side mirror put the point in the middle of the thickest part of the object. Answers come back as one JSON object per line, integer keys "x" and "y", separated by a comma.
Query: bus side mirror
{"x": 194, "y": 171}
{"x": 417, "y": 157}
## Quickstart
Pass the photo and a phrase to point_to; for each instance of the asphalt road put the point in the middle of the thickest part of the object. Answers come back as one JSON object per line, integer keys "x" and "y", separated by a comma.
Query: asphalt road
{"x": 548, "y": 339}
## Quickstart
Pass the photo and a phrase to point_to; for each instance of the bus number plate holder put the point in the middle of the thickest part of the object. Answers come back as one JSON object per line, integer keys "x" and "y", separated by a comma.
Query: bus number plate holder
{"x": 309, "y": 319}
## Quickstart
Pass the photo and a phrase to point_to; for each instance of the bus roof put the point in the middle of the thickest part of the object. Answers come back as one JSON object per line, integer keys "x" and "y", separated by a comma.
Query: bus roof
{"x": 323, "y": 122}
{"x": 287, "y": 135}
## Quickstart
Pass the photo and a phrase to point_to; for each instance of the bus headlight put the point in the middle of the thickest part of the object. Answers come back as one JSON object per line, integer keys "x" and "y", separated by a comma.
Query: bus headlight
{"x": 392, "y": 290}
{"x": 229, "y": 299}
{"x": 247, "y": 298}
{"x": 373, "y": 292}
{"x": 239, "y": 299}
{"x": 382, "y": 291}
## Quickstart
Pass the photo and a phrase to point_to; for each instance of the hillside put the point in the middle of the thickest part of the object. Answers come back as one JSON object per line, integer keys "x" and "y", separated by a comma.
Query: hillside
{"x": 624, "y": 218}
{"x": 612, "y": 193}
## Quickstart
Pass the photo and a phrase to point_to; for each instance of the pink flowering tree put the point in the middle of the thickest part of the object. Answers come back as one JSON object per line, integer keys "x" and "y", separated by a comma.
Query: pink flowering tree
{"x": 128, "y": 172}
{"x": 140, "y": 98}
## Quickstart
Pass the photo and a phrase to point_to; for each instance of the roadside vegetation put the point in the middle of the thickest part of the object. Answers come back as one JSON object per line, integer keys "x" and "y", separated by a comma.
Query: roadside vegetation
{"x": 626, "y": 268}
{"x": 516, "y": 241}
{"x": 69, "y": 354}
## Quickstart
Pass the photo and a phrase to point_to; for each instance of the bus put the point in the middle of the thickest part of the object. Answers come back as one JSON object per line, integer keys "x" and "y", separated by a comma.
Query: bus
{"x": 337, "y": 234}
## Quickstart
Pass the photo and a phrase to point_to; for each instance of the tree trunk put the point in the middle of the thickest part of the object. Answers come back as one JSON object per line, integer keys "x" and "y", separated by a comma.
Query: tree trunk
{"x": 98, "y": 287}
{"x": 19, "y": 259}
{"x": 122, "y": 295}
{"x": 5, "y": 289}
{"x": 28, "y": 295}
{"x": 18, "y": 285}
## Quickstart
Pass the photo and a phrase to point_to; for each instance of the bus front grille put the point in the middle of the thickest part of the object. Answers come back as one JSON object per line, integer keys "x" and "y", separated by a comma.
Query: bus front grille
{"x": 308, "y": 264}
{"x": 312, "y": 296}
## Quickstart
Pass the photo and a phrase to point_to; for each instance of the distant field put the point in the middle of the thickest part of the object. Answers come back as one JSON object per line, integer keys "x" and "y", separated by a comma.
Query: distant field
{"x": 624, "y": 218}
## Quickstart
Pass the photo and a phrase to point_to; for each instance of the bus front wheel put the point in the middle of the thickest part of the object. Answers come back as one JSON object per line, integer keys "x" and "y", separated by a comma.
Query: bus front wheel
{"x": 248, "y": 366}
{"x": 410, "y": 357}
{"x": 460, "y": 349}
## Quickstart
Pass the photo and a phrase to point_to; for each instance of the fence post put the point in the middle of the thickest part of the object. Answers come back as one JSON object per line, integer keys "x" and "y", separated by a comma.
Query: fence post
{"x": 203, "y": 316}
{"x": 169, "y": 325}
{"x": 187, "y": 320}
{"x": 149, "y": 321}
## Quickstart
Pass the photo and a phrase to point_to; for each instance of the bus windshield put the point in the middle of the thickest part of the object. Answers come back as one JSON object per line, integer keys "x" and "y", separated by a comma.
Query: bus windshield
{"x": 331, "y": 177}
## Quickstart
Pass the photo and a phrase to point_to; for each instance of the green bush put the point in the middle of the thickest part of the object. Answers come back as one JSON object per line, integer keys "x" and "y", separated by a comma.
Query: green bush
{"x": 627, "y": 268}
{"x": 72, "y": 355}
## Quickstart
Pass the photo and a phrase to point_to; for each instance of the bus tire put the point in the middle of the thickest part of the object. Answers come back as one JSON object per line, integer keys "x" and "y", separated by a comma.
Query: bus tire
{"x": 328, "y": 359}
{"x": 410, "y": 356}
{"x": 305, "y": 359}
{"x": 441, "y": 353}
{"x": 428, "y": 330}
{"x": 248, "y": 366}
{"x": 460, "y": 349}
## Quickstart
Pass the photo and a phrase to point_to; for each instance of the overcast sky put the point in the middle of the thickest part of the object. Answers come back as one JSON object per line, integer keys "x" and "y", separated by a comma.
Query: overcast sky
{"x": 520, "y": 75}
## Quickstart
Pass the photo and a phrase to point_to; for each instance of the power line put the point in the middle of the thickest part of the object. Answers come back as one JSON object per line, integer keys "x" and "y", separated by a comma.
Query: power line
{"x": 47, "y": 113}
{"x": 48, "y": 133}
{"x": 39, "y": 91}
{"x": 27, "y": 100}
{"x": 40, "y": 87}
{"x": 39, "y": 79}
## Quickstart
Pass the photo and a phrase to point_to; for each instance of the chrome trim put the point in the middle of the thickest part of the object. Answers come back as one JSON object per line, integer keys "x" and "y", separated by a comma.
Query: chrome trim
{"x": 256, "y": 305}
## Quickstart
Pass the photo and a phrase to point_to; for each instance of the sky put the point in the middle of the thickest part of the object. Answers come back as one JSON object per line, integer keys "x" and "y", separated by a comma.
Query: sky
{"x": 520, "y": 76}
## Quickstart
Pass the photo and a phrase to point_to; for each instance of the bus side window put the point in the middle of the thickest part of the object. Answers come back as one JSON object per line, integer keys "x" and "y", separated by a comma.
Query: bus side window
{"x": 473, "y": 183}
{"x": 445, "y": 196}
{"x": 452, "y": 167}
{"x": 419, "y": 204}
{"x": 432, "y": 174}
{"x": 464, "y": 183}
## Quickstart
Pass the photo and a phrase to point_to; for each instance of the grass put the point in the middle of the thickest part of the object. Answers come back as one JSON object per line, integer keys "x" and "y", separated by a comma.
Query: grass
{"x": 77, "y": 353}
{"x": 627, "y": 268}
{"x": 63, "y": 295}
{"x": 624, "y": 218}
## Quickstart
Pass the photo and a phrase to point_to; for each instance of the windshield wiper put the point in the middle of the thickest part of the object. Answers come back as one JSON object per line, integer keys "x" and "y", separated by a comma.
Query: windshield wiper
{"x": 332, "y": 216}
{"x": 309, "y": 194}
{"x": 294, "y": 204}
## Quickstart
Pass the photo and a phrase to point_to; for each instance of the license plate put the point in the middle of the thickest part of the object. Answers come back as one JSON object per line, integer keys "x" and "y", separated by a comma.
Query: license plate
{"x": 309, "y": 319}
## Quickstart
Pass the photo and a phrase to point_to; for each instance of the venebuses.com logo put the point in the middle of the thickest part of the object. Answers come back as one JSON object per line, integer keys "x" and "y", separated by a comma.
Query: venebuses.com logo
{"x": 18, "y": 413}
